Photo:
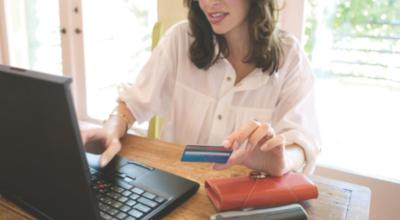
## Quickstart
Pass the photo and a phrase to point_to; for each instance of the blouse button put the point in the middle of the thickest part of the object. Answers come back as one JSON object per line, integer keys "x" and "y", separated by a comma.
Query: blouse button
{"x": 219, "y": 117}
{"x": 228, "y": 78}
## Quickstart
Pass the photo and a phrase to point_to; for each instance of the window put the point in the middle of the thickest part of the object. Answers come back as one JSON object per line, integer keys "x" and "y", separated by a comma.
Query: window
{"x": 354, "y": 47}
{"x": 117, "y": 41}
{"x": 47, "y": 36}
{"x": 34, "y": 40}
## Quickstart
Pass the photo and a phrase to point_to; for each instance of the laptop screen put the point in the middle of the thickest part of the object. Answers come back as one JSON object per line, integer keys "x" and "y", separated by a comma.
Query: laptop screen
{"x": 42, "y": 166}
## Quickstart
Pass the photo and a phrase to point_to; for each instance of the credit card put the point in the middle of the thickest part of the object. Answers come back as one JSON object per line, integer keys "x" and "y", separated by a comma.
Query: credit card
{"x": 206, "y": 153}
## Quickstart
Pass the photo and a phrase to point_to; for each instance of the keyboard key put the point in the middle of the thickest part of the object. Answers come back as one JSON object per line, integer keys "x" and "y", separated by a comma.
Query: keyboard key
{"x": 138, "y": 191}
{"x": 130, "y": 218}
{"x": 135, "y": 213}
{"x": 112, "y": 211}
{"x": 126, "y": 193}
{"x": 108, "y": 201}
{"x": 113, "y": 195}
{"x": 101, "y": 198}
{"x": 125, "y": 208}
{"x": 102, "y": 191}
{"x": 108, "y": 209}
{"x": 103, "y": 207}
{"x": 123, "y": 199}
{"x": 160, "y": 200}
{"x": 147, "y": 202}
{"x": 142, "y": 208}
{"x": 131, "y": 203}
{"x": 105, "y": 216}
{"x": 117, "y": 205}
{"x": 121, "y": 215}
{"x": 117, "y": 189}
{"x": 149, "y": 195}
{"x": 129, "y": 180}
{"x": 122, "y": 184}
{"x": 120, "y": 200}
{"x": 134, "y": 196}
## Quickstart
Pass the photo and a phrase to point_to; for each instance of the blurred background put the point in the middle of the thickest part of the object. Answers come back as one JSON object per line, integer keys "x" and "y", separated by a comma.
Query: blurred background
{"x": 353, "y": 45}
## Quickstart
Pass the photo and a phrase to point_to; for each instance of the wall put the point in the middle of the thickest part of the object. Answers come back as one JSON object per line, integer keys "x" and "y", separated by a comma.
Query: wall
{"x": 170, "y": 12}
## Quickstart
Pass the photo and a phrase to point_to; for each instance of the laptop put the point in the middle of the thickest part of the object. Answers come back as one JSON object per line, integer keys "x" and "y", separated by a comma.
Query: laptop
{"x": 44, "y": 167}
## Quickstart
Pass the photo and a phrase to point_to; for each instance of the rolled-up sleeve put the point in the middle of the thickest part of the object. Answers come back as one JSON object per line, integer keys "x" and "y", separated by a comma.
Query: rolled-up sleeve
{"x": 152, "y": 91}
{"x": 295, "y": 115}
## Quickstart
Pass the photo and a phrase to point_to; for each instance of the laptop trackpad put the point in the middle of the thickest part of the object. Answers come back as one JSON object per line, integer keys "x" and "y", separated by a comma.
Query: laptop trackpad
{"x": 119, "y": 165}
{"x": 134, "y": 171}
{"x": 126, "y": 168}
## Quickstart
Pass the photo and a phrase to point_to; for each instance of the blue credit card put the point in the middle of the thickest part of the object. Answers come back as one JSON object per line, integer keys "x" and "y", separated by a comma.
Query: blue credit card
{"x": 206, "y": 153}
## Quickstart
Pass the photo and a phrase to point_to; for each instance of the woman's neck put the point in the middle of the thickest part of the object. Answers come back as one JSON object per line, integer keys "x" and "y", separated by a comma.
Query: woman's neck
{"x": 239, "y": 43}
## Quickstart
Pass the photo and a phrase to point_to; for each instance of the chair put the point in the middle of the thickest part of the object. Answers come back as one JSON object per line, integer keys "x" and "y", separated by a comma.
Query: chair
{"x": 156, "y": 122}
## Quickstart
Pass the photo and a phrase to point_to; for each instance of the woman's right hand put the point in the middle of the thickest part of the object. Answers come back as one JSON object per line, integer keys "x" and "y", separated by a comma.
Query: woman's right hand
{"x": 105, "y": 143}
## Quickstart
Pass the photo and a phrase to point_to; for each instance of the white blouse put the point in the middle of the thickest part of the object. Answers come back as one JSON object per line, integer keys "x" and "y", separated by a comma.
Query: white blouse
{"x": 204, "y": 106}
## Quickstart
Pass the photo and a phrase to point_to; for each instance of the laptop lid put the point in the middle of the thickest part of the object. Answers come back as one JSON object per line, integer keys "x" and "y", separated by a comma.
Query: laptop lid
{"x": 42, "y": 164}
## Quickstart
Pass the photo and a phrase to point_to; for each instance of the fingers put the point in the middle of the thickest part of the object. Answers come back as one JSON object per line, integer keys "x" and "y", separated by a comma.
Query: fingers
{"x": 278, "y": 141}
{"x": 241, "y": 135}
{"x": 89, "y": 135}
{"x": 113, "y": 148}
{"x": 252, "y": 135}
{"x": 263, "y": 133}
{"x": 112, "y": 145}
{"x": 254, "y": 132}
{"x": 237, "y": 157}
{"x": 221, "y": 166}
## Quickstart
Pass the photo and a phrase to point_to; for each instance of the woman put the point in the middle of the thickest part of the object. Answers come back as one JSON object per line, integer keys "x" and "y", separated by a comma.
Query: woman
{"x": 227, "y": 76}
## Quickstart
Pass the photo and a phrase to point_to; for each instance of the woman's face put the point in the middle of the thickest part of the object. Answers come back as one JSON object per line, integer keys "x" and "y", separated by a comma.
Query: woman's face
{"x": 225, "y": 15}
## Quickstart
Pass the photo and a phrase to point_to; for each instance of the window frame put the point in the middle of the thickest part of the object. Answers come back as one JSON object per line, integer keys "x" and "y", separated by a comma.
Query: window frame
{"x": 292, "y": 19}
{"x": 4, "y": 59}
{"x": 71, "y": 47}
{"x": 73, "y": 52}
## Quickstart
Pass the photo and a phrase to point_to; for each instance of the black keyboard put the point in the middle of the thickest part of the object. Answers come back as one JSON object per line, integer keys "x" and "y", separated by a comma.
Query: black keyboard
{"x": 118, "y": 199}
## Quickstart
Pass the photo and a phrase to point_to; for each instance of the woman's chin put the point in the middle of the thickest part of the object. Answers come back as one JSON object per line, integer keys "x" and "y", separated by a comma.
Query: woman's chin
{"x": 219, "y": 30}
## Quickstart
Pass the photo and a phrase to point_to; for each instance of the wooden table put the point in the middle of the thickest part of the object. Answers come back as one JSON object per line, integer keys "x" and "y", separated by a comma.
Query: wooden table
{"x": 337, "y": 199}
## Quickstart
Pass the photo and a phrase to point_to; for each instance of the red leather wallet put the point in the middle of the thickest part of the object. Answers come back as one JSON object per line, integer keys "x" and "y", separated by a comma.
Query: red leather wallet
{"x": 249, "y": 191}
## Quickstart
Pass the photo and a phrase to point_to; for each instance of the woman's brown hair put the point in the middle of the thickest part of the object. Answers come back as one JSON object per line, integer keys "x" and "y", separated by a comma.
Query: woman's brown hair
{"x": 265, "y": 50}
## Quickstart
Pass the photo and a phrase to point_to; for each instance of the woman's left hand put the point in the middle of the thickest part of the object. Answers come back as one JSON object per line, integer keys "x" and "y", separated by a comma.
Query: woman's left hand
{"x": 257, "y": 147}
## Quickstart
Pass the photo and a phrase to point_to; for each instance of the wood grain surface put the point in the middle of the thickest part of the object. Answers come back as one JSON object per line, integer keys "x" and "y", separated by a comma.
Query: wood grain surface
{"x": 337, "y": 199}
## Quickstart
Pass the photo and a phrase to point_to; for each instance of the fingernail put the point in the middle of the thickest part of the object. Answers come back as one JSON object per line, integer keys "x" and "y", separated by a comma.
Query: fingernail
{"x": 225, "y": 143}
